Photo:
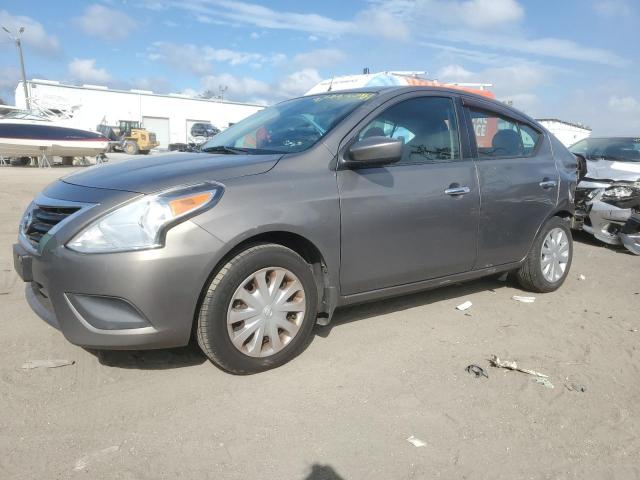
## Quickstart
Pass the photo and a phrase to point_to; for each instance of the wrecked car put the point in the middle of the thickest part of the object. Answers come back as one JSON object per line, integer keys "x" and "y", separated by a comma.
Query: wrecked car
{"x": 608, "y": 197}
{"x": 312, "y": 204}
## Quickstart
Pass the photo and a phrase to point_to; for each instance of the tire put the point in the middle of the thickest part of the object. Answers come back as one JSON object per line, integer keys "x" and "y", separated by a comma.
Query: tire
{"x": 221, "y": 301}
{"x": 144, "y": 152}
{"x": 531, "y": 275}
{"x": 131, "y": 148}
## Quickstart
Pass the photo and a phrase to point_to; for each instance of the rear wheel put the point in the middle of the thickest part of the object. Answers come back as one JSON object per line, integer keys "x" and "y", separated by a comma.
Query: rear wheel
{"x": 258, "y": 311}
{"x": 549, "y": 261}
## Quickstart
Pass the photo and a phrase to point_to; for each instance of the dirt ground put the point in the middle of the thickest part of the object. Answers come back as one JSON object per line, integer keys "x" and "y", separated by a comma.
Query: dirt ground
{"x": 383, "y": 372}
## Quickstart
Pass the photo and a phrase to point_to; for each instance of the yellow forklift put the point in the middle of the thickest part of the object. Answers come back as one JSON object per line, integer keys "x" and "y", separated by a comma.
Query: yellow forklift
{"x": 128, "y": 137}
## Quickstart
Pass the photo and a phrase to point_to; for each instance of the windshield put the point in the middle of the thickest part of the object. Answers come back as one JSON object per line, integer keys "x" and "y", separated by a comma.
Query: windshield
{"x": 288, "y": 127}
{"x": 24, "y": 115}
{"x": 618, "y": 149}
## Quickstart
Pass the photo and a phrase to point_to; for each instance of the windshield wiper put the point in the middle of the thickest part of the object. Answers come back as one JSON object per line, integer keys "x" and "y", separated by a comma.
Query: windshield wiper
{"x": 225, "y": 149}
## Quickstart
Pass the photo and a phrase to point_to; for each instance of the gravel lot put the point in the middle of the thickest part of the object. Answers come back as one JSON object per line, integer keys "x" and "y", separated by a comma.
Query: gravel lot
{"x": 383, "y": 372}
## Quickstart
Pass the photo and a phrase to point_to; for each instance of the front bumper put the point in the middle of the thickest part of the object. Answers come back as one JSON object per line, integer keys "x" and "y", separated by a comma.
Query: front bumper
{"x": 126, "y": 300}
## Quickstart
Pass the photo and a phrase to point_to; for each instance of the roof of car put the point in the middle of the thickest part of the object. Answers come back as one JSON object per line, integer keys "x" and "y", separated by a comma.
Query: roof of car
{"x": 430, "y": 88}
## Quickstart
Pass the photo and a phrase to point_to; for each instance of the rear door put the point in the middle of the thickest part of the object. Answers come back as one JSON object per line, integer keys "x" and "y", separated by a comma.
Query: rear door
{"x": 518, "y": 182}
{"x": 404, "y": 223}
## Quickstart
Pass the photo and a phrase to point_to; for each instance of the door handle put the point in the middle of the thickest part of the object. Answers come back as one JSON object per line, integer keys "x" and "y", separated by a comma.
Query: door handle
{"x": 455, "y": 190}
{"x": 546, "y": 183}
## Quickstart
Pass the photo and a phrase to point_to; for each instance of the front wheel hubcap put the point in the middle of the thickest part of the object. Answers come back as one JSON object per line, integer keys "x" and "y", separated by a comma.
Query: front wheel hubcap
{"x": 554, "y": 257}
{"x": 266, "y": 312}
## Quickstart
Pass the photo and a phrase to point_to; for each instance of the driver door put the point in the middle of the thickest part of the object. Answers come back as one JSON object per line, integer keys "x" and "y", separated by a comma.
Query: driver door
{"x": 403, "y": 223}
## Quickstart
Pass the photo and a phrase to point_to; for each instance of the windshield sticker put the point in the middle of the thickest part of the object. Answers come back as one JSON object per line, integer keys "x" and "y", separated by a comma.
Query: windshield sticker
{"x": 341, "y": 96}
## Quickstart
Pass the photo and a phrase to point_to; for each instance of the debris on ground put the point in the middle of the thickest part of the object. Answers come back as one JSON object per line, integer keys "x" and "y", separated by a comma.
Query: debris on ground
{"x": 503, "y": 277}
{"x": 476, "y": 370}
{"x": 464, "y": 306}
{"x": 492, "y": 290}
{"x": 633, "y": 330}
{"x": 84, "y": 461}
{"x": 518, "y": 298}
{"x": 55, "y": 363}
{"x": 544, "y": 382}
{"x": 575, "y": 387}
{"x": 581, "y": 277}
{"x": 416, "y": 442}
{"x": 511, "y": 365}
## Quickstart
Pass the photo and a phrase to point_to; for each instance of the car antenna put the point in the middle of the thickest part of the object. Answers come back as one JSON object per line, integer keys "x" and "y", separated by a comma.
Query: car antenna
{"x": 330, "y": 84}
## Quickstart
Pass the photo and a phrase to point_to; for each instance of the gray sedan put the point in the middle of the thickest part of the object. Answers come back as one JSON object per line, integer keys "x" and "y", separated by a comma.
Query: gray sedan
{"x": 306, "y": 206}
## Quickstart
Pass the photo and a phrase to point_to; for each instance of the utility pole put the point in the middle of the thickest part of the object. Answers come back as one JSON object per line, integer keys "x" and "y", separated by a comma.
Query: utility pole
{"x": 18, "y": 43}
{"x": 222, "y": 89}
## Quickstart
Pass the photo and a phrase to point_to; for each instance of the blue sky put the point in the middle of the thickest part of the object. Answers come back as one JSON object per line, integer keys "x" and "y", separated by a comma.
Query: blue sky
{"x": 573, "y": 59}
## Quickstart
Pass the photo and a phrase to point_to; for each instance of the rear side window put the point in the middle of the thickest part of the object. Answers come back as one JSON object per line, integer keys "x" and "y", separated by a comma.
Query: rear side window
{"x": 530, "y": 138}
{"x": 426, "y": 125}
{"x": 498, "y": 136}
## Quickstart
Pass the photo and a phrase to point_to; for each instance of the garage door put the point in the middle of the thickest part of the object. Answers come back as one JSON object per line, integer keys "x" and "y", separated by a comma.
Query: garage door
{"x": 159, "y": 126}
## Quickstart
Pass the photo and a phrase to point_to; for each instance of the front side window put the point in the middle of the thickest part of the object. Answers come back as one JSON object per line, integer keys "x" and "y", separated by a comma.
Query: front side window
{"x": 426, "y": 125}
{"x": 288, "y": 127}
{"x": 498, "y": 136}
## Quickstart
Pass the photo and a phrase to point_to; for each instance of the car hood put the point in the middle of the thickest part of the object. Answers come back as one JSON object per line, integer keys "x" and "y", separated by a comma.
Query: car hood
{"x": 612, "y": 170}
{"x": 159, "y": 172}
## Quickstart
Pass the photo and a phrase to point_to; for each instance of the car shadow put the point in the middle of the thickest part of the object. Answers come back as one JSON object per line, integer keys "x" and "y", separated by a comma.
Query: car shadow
{"x": 322, "y": 472}
{"x": 163, "y": 359}
{"x": 363, "y": 311}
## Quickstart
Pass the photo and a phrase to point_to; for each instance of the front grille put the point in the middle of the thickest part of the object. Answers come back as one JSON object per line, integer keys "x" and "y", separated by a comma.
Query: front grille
{"x": 43, "y": 219}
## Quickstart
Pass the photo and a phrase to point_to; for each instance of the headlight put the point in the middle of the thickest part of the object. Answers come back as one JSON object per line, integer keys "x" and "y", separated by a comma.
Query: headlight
{"x": 142, "y": 223}
{"x": 619, "y": 192}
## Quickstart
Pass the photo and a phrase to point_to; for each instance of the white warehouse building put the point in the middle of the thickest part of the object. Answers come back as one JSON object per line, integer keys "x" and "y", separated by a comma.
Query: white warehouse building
{"x": 170, "y": 116}
{"x": 568, "y": 133}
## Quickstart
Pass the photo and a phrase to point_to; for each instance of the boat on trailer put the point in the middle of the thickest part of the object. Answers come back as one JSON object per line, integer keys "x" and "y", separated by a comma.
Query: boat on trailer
{"x": 29, "y": 134}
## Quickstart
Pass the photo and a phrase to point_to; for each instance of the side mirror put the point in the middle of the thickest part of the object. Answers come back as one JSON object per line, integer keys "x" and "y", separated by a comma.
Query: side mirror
{"x": 582, "y": 165}
{"x": 373, "y": 152}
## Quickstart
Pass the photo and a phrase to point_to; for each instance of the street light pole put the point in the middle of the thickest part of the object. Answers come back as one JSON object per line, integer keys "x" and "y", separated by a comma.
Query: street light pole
{"x": 18, "y": 43}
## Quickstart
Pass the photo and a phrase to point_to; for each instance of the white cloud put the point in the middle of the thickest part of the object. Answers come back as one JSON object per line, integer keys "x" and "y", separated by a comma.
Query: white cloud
{"x": 324, "y": 57}
{"x": 34, "y": 35}
{"x": 244, "y": 13}
{"x": 106, "y": 23}
{"x": 614, "y": 8}
{"x": 372, "y": 21}
{"x": 85, "y": 70}
{"x": 239, "y": 88}
{"x": 382, "y": 23}
{"x": 454, "y": 73}
{"x": 476, "y": 14}
{"x": 624, "y": 104}
{"x": 9, "y": 77}
{"x": 199, "y": 59}
{"x": 298, "y": 83}
{"x": 256, "y": 91}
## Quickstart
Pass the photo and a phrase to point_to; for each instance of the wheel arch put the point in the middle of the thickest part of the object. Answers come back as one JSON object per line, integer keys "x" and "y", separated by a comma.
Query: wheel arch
{"x": 327, "y": 293}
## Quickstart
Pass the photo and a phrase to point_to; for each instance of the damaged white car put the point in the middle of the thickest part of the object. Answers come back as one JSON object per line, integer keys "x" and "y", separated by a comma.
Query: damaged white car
{"x": 608, "y": 196}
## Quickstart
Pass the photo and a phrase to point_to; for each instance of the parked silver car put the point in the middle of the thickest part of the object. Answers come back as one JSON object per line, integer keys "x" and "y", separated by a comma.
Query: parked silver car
{"x": 311, "y": 204}
{"x": 608, "y": 197}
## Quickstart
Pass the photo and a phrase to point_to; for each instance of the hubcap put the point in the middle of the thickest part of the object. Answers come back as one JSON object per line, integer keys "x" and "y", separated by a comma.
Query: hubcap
{"x": 266, "y": 312}
{"x": 554, "y": 257}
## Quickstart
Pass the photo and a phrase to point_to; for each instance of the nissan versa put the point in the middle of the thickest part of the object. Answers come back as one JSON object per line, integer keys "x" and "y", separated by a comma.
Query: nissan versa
{"x": 311, "y": 204}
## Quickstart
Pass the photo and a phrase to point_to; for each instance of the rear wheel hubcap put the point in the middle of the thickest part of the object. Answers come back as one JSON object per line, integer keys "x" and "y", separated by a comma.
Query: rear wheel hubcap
{"x": 554, "y": 256}
{"x": 266, "y": 312}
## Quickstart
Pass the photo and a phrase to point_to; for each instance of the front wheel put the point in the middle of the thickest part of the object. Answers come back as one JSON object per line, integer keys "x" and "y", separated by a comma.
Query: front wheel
{"x": 548, "y": 263}
{"x": 258, "y": 311}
